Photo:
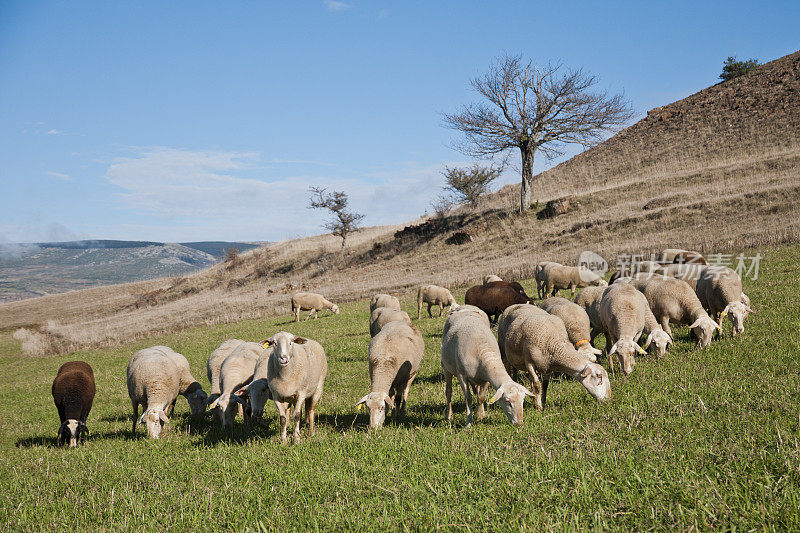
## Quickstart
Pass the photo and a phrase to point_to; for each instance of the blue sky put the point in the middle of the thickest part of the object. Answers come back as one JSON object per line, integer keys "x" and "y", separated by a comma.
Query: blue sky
{"x": 201, "y": 120}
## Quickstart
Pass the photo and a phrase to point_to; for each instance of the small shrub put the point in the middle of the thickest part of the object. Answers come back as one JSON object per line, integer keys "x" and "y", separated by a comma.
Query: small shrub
{"x": 732, "y": 68}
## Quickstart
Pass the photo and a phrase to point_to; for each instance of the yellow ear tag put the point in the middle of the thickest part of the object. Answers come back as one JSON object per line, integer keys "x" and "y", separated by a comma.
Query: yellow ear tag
{"x": 266, "y": 345}
{"x": 358, "y": 407}
{"x": 724, "y": 314}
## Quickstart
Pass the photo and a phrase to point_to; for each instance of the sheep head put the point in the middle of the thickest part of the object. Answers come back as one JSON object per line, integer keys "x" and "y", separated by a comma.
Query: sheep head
{"x": 377, "y": 403}
{"x": 228, "y": 405}
{"x": 627, "y": 349}
{"x": 282, "y": 344}
{"x": 258, "y": 393}
{"x": 197, "y": 401}
{"x": 335, "y": 309}
{"x": 595, "y": 378}
{"x": 737, "y": 312}
{"x": 72, "y": 431}
{"x": 154, "y": 419}
{"x": 512, "y": 397}
{"x": 703, "y": 329}
{"x": 660, "y": 339}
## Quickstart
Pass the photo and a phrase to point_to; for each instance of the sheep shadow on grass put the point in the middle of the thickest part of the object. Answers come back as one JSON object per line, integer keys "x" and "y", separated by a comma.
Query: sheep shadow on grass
{"x": 52, "y": 442}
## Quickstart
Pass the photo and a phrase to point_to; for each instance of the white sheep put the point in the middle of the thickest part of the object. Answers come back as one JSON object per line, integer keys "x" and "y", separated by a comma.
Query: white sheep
{"x": 384, "y": 315}
{"x": 555, "y": 277}
{"x": 719, "y": 290}
{"x": 434, "y": 295}
{"x": 312, "y": 302}
{"x": 235, "y": 374}
{"x": 257, "y": 391}
{"x": 622, "y": 312}
{"x": 189, "y": 387}
{"x": 490, "y": 278}
{"x": 154, "y": 383}
{"x": 673, "y": 301}
{"x": 383, "y": 300}
{"x": 212, "y": 372}
{"x": 295, "y": 375}
{"x": 576, "y": 320}
{"x": 395, "y": 354}
{"x": 589, "y": 298}
{"x": 471, "y": 354}
{"x": 538, "y": 276}
{"x": 536, "y": 342}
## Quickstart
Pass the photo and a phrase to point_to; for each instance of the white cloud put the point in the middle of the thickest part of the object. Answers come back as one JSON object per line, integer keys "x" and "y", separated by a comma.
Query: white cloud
{"x": 335, "y": 5}
{"x": 55, "y": 132}
{"x": 59, "y": 175}
{"x": 210, "y": 194}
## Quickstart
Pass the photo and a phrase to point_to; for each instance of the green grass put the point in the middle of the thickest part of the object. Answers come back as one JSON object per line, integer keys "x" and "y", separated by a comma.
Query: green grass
{"x": 704, "y": 439}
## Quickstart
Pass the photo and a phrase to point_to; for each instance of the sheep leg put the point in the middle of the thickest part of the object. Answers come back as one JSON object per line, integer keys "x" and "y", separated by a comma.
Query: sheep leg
{"x": 296, "y": 314}
{"x": 310, "y": 415}
{"x": 171, "y": 407}
{"x": 405, "y": 394}
{"x": 309, "y": 314}
{"x": 545, "y": 383}
{"x": 481, "y": 394}
{"x": 296, "y": 416}
{"x": 441, "y": 309}
{"x": 283, "y": 413}
{"x": 419, "y": 309}
{"x": 536, "y": 388}
{"x": 665, "y": 325}
{"x": 430, "y": 315}
{"x": 135, "y": 416}
{"x": 467, "y": 397}
{"x": 448, "y": 394}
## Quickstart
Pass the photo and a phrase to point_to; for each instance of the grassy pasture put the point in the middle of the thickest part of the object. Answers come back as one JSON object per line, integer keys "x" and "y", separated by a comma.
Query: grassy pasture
{"x": 704, "y": 439}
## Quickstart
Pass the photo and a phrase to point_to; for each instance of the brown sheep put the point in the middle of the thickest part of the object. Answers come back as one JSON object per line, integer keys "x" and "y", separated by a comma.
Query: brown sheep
{"x": 73, "y": 393}
{"x": 493, "y": 299}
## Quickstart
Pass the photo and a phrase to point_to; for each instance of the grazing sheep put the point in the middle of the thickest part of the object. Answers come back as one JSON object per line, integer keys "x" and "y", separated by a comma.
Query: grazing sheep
{"x": 257, "y": 391}
{"x": 312, "y": 302}
{"x": 622, "y": 312}
{"x": 295, "y": 374}
{"x": 384, "y": 300}
{"x": 189, "y": 387}
{"x": 395, "y": 354}
{"x": 589, "y": 298}
{"x": 673, "y": 300}
{"x": 538, "y": 276}
{"x": 434, "y": 295}
{"x": 494, "y": 299}
{"x": 154, "y": 383}
{"x": 384, "y": 315}
{"x": 471, "y": 354}
{"x": 537, "y": 342}
{"x": 719, "y": 290}
{"x": 656, "y": 336}
{"x": 212, "y": 371}
{"x": 577, "y": 323}
{"x": 555, "y": 277}
{"x": 73, "y": 393}
{"x": 490, "y": 278}
{"x": 687, "y": 272}
{"x": 678, "y": 255}
{"x": 235, "y": 374}
{"x": 513, "y": 284}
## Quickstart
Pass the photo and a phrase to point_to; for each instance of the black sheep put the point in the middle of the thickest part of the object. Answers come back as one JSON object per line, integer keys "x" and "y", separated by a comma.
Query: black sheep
{"x": 73, "y": 394}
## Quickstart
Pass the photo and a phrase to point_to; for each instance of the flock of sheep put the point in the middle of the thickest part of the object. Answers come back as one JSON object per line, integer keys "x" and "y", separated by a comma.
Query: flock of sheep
{"x": 555, "y": 335}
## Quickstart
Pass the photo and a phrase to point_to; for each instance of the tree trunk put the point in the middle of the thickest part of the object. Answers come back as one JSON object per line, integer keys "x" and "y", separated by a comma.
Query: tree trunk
{"x": 526, "y": 191}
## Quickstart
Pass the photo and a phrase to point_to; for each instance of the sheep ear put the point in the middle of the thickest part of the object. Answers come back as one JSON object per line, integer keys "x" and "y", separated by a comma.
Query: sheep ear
{"x": 209, "y": 399}
{"x": 267, "y": 342}
{"x": 213, "y": 405}
{"x": 526, "y": 391}
{"x": 361, "y": 402}
{"x": 595, "y": 350}
{"x": 614, "y": 348}
{"x": 163, "y": 416}
{"x": 640, "y": 349}
{"x": 299, "y": 340}
{"x": 696, "y": 323}
{"x": 242, "y": 391}
{"x": 239, "y": 399}
{"x": 586, "y": 372}
{"x": 497, "y": 395}
{"x": 749, "y": 309}
{"x": 141, "y": 418}
{"x": 388, "y": 401}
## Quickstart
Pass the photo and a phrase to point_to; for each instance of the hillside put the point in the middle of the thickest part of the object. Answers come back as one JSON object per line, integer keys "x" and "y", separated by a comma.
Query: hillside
{"x": 36, "y": 269}
{"x": 717, "y": 171}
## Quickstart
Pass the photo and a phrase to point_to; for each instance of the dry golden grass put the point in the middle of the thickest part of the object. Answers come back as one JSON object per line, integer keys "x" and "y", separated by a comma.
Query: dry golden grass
{"x": 721, "y": 169}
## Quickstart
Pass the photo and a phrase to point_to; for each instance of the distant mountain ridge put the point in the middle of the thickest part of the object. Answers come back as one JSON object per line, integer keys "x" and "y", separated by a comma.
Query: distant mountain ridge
{"x": 35, "y": 269}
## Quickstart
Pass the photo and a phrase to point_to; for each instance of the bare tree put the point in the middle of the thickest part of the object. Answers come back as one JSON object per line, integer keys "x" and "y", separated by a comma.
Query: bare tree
{"x": 535, "y": 108}
{"x": 467, "y": 185}
{"x": 345, "y": 222}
